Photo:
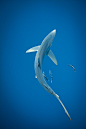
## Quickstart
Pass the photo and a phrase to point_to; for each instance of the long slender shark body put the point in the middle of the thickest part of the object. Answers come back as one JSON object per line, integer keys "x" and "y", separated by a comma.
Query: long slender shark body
{"x": 42, "y": 50}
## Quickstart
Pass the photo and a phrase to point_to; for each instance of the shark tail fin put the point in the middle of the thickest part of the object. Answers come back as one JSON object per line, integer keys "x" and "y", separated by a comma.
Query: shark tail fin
{"x": 63, "y": 106}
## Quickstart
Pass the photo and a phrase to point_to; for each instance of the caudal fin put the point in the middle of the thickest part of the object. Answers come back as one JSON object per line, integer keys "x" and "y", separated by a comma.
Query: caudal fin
{"x": 63, "y": 106}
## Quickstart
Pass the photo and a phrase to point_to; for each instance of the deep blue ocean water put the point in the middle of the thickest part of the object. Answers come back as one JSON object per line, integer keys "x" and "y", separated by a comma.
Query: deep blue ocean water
{"x": 24, "y": 104}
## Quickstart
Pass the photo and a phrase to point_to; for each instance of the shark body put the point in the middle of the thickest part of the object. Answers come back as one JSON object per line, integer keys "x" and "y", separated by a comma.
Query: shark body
{"x": 42, "y": 50}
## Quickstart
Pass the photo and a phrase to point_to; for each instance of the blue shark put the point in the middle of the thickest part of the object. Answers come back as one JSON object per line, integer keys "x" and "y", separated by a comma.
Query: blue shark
{"x": 42, "y": 50}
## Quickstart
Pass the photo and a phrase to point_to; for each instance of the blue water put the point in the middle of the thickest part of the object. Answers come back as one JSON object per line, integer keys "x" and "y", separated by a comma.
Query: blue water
{"x": 24, "y": 104}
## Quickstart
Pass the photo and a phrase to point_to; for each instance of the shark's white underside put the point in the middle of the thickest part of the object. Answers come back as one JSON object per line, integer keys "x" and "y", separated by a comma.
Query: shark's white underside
{"x": 42, "y": 50}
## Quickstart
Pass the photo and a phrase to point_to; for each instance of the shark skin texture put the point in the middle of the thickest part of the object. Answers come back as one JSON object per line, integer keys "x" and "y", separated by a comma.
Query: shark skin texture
{"x": 42, "y": 50}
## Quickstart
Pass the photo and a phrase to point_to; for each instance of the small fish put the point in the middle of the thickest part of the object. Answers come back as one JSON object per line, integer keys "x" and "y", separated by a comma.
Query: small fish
{"x": 45, "y": 77}
{"x": 72, "y": 67}
{"x": 51, "y": 75}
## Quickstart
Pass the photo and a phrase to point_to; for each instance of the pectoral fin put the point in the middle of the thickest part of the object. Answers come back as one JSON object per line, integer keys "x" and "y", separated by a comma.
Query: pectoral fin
{"x": 52, "y": 57}
{"x": 33, "y": 49}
